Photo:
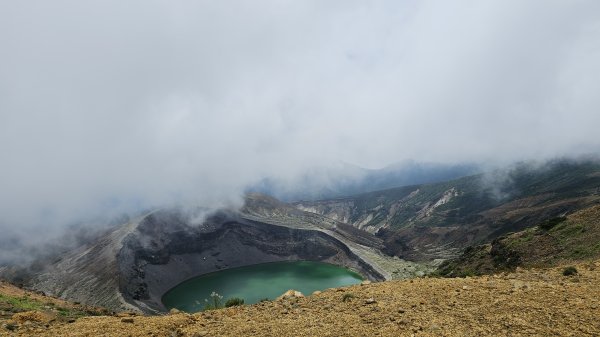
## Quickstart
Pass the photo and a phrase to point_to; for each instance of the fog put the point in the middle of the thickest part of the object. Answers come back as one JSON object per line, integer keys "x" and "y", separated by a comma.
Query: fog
{"x": 118, "y": 106}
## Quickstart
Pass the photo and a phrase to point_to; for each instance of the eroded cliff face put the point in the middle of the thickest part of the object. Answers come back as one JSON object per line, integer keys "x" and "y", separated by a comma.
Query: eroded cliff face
{"x": 132, "y": 266}
{"x": 165, "y": 250}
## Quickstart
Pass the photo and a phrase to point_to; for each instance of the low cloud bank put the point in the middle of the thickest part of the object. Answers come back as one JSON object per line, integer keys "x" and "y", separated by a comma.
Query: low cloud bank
{"x": 109, "y": 107}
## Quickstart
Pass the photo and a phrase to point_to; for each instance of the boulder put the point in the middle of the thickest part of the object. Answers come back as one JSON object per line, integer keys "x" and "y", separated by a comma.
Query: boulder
{"x": 290, "y": 294}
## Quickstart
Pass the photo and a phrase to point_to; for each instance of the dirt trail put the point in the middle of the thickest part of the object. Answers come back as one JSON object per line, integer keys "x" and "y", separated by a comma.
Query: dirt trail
{"x": 525, "y": 303}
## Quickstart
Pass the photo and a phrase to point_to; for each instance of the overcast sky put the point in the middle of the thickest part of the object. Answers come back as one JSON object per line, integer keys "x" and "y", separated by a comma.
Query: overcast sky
{"x": 124, "y": 104}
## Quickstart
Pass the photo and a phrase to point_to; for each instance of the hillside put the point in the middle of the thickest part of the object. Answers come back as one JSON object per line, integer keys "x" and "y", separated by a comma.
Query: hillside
{"x": 555, "y": 241}
{"x": 538, "y": 302}
{"x": 18, "y": 306}
{"x": 437, "y": 221}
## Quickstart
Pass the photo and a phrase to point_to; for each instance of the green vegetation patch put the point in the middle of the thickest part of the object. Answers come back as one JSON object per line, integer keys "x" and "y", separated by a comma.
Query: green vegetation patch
{"x": 550, "y": 223}
{"x": 16, "y": 304}
{"x": 234, "y": 301}
{"x": 348, "y": 297}
{"x": 569, "y": 271}
{"x": 21, "y": 303}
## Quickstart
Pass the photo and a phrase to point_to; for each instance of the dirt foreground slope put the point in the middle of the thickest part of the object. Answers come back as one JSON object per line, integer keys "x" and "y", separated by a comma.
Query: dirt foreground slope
{"x": 524, "y": 303}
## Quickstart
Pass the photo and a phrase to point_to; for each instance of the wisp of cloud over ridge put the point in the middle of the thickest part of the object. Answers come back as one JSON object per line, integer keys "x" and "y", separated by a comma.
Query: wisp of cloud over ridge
{"x": 112, "y": 106}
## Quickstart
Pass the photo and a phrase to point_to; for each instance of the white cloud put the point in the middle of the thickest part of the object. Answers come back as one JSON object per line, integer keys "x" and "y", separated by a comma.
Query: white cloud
{"x": 120, "y": 105}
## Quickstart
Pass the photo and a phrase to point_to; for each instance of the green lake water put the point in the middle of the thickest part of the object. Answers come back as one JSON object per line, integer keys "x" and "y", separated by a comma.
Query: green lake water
{"x": 256, "y": 282}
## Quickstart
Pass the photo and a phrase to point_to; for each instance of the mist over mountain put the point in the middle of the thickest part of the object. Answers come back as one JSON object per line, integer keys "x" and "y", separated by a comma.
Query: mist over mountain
{"x": 346, "y": 179}
{"x": 322, "y": 165}
{"x": 110, "y": 108}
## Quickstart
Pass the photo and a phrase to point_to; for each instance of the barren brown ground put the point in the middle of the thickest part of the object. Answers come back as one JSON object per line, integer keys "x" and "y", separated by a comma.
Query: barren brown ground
{"x": 539, "y": 302}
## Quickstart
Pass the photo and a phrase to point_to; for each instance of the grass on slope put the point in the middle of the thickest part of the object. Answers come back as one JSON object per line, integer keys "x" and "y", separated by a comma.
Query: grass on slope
{"x": 14, "y": 300}
{"x": 554, "y": 241}
{"x": 17, "y": 304}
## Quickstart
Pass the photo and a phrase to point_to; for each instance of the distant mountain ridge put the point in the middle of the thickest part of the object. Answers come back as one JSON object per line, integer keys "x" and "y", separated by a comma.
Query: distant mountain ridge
{"x": 346, "y": 179}
{"x": 429, "y": 221}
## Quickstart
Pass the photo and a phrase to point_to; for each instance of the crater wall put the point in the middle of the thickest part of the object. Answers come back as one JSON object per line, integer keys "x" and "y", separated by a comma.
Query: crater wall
{"x": 165, "y": 251}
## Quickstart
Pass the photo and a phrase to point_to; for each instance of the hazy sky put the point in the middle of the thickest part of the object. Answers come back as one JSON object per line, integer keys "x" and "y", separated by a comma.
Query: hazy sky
{"x": 123, "y": 104}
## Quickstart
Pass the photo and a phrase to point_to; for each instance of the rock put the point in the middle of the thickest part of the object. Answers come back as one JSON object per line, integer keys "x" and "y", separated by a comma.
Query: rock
{"x": 401, "y": 310}
{"x": 364, "y": 283}
{"x": 177, "y": 333}
{"x": 10, "y": 326}
{"x": 72, "y": 320}
{"x": 290, "y": 294}
{"x": 174, "y": 311}
{"x": 317, "y": 292}
{"x": 370, "y": 301}
{"x": 127, "y": 320}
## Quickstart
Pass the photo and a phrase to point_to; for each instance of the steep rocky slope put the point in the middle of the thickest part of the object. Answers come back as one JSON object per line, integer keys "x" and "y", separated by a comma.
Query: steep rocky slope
{"x": 166, "y": 250}
{"x": 132, "y": 266}
{"x": 365, "y": 245}
{"x": 87, "y": 273}
{"x": 434, "y": 221}
{"x": 525, "y": 303}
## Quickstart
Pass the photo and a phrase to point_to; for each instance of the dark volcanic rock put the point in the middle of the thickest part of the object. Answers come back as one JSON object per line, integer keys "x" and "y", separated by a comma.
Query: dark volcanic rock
{"x": 133, "y": 265}
{"x": 164, "y": 251}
